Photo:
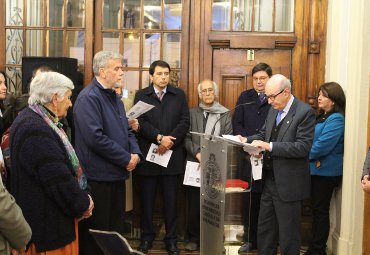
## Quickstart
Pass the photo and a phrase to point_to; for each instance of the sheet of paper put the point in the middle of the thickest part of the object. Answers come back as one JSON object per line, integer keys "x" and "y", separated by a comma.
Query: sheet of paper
{"x": 192, "y": 174}
{"x": 232, "y": 138}
{"x": 256, "y": 167}
{"x": 251, "y": 149}
{"x": 138, "y": 109}
{"x": 155, "y": 158}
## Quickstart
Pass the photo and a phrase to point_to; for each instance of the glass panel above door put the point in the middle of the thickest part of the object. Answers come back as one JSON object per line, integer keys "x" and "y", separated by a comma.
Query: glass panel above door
{"x": 152, "y": 14}
{"x": 221, "y": 15}
{"x": 242, "y": 15}
{"x": 284, "y": 16}
{"x": 263, "y": 15}
{"x": 172, "y": 14}
{"x": 131, "y": 14}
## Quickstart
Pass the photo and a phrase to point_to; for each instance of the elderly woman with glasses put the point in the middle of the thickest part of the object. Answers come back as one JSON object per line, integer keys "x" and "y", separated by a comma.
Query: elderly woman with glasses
{"x": 47, "y": 180}
{"x": 203, "y": 119}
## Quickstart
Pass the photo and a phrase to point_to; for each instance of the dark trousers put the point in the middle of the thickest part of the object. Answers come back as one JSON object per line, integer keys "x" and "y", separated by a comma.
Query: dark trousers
{"x": 193, "y": 224}
{"x": 278, "y": 221}
{"x": 148, "y": 189}
{"x": 108, "y": 214}
{"x": 322, "y": 188}
{"x": 251, "y": 209}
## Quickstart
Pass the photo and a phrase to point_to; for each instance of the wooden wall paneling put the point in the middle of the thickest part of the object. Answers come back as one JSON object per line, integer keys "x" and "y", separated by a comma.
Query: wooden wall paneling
{"x": 230, "y": 88}
{"x": 185, "y": 39}
{"x": 89, "y": 41}
{"x": 98, "y": 25}
{"x": 2, "y": 35}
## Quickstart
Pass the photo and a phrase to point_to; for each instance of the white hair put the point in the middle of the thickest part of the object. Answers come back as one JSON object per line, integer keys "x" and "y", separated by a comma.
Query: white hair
{"x": 101, "y": 59}
{"x": 46, "y": 84}
{"x": 286, "y": 84}
{"x": 215, "y": 88}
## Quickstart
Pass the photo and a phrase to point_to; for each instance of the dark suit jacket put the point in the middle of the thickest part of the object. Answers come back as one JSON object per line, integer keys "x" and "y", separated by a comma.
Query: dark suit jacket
{"x": 290, "y": 151}
{"x": 169, "y": 117}
{"x": 366, "y": 168}
{"x": 192, "y": 142}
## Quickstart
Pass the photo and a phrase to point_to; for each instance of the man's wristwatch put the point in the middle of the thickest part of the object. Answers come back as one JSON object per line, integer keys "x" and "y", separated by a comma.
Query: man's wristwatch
{"x": 159, "y": 139}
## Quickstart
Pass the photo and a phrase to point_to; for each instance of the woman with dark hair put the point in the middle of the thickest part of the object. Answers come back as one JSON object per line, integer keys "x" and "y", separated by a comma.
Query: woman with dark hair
{"x": 3, "y": 93}
{"x": 326, "y": 161}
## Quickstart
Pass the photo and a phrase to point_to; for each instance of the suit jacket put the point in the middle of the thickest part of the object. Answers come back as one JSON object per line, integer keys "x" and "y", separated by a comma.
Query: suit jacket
{"x": 169, "y": 117}
{"x": 366, "y": 169}
{"x": 290, "y": 151}
{"x": 14, "y": 230}
{"x": 192, "y": 142}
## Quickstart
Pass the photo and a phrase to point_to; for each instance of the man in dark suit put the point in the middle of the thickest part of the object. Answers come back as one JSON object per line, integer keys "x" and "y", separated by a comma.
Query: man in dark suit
{"x": 286, "y": 139}
{"x": 165, "y": 125}
{"x": 248, "y": 120}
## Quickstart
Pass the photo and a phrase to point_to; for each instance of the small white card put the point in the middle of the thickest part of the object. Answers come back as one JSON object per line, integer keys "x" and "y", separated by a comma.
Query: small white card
{"x": 138, "y": 109}
{"x": 155, "y": 158}
{"x": 256, "y": 167}
{"x": 192, "y": 174}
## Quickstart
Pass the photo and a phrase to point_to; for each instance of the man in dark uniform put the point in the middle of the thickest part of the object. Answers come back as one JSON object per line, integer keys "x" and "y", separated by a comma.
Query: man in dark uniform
{"x": 248, "y": 120}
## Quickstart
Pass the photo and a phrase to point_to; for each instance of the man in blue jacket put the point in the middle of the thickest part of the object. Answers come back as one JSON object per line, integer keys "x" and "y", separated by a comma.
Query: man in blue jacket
{"x": 106, "y": 148}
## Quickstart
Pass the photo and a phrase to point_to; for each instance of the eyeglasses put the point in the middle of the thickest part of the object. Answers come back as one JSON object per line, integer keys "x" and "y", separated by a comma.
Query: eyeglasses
{"x": 210, "y": 91}
{"x": 262, "y": 78}
{"x": 272, "y": 97}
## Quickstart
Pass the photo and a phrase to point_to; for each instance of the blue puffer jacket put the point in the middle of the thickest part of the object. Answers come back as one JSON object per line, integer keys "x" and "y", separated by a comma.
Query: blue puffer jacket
{"x": 326, "y": 156}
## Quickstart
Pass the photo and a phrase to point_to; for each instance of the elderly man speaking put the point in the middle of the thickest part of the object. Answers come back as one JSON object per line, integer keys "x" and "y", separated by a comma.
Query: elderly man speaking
{"x": 203, "y": 119}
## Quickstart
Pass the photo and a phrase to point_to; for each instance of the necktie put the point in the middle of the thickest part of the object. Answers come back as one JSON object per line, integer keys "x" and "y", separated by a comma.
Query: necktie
{"x": 261, "y": 96}
{"x": 160, "y": 95}
{"x": 278, "y": 117}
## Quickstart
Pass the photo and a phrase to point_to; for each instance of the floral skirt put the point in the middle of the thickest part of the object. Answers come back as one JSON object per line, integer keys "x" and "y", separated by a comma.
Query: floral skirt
{"x": 69, "y": 249}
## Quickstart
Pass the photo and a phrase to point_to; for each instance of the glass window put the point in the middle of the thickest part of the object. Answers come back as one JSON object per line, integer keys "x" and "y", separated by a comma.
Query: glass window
{"x": 243, "y": 15}
{"x": 35, "y": 42}
{"x": 55, "y": 43}
{"x": 56, "y": 13}
{"x": 111, "y": 12}
{"x": 263, "y": 15}
{"x": 131, "y": 80}
{"x": 14, "y": 12}
{"x": 76, "y": 13}
{"x": 284, "y": 16}
{"x": 145, "y": 77}
{"x": 172, "y": 14}
{"x": 172, "y": 49}
{"x": 131, "y": 14}
{"x": 221, "y": 15}
{"x": 131, "y": 50}
{"x": 76, "y": 44}
{"x": 14, "y": 75}
{"x": 151, "y": 48}
{"x": 14, "y": 46}
{"x": 35, "y": 15}
{"x": 152, "y": 14}
{"x": 111, "y": 41}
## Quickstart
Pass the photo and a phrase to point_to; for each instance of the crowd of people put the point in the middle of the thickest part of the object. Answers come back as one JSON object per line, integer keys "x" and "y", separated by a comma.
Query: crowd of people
{"x": 63, "y": 190}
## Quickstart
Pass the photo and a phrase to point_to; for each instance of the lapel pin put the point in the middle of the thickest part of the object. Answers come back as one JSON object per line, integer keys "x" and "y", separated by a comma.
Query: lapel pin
{"x": 287, "y": 122}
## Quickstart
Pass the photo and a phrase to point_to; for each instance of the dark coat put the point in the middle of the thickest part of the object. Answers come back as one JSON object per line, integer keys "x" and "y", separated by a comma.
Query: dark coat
{"x": 248, "y": 120}
{"x": 169, "y": 117}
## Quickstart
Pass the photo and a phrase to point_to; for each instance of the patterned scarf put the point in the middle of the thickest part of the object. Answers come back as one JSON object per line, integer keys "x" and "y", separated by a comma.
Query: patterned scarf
{"x": 45, "y": 114}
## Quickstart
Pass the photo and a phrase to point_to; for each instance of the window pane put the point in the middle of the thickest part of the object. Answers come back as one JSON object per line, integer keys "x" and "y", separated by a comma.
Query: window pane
{"x": 145, "y": 79}
{"x": 172, "y": 49}
{"x": 263, "y": 15}
{"x": 111, "y": 41}
{"x": 76, "y": 13}
{"x": 14, "y": 46}
{"x": 131, "y": 80}
{"x": 34, "y": 42}
{"x": 56, "y": 10}
{"x": 35, "y": 14}
{"x": 14, "y": 79}
{"x": 243, "y": 15}
{"x": 152, "y": 14}
{"x": 172, "y": 14}
{"x": 175, "y": 78}
{"x": 111, "y": 12}
{"x": 151, "y": 48}
{"x": 14, "y": 12}
{"x": 131, "y": 50}
{"x": 284, "y": 16}
{"x": 221, "y": 15}
{"x": 55, "y": 48}
{"x": 76, "y": 42}
{"x": 131, "y": 14}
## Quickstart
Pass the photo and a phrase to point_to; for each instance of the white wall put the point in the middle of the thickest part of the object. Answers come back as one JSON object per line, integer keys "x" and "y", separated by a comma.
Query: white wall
{"x": 348, "y": 63}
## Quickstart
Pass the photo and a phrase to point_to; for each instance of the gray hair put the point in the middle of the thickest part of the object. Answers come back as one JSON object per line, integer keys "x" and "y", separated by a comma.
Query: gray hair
{"x": 46, "y": 84}
{"x": 101, "y": 59}
{"x": 286, "y": 84}
{"x": 215, "y": 88}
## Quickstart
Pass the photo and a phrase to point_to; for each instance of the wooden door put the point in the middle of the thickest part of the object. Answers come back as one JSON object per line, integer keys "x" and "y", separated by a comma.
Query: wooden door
{"x": 232, "y": 70}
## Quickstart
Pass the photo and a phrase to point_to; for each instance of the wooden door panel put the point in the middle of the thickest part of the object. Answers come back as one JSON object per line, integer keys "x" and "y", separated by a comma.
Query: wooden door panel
{"x": 231, "y": 70}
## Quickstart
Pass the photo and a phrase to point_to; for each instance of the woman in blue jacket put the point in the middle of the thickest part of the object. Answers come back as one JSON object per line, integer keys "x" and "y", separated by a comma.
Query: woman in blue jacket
{"x": 326, "y": 161}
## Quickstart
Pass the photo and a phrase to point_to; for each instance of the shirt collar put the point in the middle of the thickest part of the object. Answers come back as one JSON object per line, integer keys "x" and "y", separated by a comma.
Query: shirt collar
{"x": 289, "y": 104}
{"x": 157, "y": 90}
